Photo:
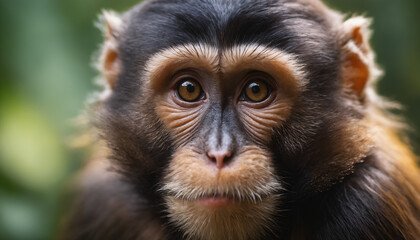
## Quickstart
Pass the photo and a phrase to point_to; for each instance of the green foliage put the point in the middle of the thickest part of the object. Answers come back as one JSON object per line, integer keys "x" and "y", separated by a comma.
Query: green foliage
{"x": 46, "y": 75}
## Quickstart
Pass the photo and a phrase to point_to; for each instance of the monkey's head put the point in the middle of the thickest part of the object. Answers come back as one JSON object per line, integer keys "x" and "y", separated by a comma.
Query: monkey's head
{"x": 220, "y": 110}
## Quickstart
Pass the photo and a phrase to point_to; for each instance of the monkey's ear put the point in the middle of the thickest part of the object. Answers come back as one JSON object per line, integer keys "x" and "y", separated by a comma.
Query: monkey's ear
{"x": 109, "y": 61}
{"x": 358, "y": 68}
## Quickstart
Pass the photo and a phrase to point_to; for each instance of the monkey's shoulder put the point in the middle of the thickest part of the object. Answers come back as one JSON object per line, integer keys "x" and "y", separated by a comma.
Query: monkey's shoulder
{"x": 378, "y": 201}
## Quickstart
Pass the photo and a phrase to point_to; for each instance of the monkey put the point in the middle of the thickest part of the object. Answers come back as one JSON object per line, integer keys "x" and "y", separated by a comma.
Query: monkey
{"x": 225, "y": 119}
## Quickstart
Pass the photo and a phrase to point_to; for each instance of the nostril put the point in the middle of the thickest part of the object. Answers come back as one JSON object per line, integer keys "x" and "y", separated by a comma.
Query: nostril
{"x": 220, "y": 157}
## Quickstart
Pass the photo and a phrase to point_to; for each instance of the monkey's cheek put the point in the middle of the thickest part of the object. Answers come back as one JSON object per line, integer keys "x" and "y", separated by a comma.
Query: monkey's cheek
{"x": 222, "y": 218}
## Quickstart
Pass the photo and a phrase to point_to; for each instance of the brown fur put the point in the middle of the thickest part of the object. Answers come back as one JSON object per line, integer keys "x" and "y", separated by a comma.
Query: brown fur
{"x": 320, "y": 158}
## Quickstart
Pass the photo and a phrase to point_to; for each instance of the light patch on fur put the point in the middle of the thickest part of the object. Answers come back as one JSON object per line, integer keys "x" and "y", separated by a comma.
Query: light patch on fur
{"x": 282, "y": 66}
{"x": 352, "y": 141}
{"x": 279, "y": 64}
{"x": 250, "y": 179}
{"x": 164, "y": 64}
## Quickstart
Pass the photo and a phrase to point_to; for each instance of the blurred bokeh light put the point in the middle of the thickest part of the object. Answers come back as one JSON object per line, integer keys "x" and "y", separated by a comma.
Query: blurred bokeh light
{"x": 46, "y": 75}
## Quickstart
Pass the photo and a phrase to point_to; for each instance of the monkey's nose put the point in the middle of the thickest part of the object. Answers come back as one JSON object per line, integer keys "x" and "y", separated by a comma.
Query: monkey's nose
{"x": 220, "y": 157}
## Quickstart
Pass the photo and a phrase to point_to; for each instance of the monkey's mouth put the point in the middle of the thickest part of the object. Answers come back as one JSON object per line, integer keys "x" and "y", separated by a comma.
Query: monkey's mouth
{"x": 216, "y": 201}
{"x": 220, "y": 201}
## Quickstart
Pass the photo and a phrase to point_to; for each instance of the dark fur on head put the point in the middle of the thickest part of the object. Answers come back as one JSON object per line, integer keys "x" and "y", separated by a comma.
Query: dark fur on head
{"x": 345, "y": 173}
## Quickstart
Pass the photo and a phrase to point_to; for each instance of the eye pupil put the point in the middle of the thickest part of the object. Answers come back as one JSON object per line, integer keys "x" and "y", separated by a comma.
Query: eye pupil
{"x": 190, "y": 87}
{"x": 255, "y": 88}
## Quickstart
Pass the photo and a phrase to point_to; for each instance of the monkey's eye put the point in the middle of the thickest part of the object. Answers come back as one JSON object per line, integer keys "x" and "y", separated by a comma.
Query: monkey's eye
{"x": 256, "y": 90}
{"x": 189, "y": 90}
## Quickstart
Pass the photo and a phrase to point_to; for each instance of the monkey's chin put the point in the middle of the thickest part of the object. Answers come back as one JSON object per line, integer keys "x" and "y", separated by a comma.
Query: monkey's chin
{"x": 218, "y": 217}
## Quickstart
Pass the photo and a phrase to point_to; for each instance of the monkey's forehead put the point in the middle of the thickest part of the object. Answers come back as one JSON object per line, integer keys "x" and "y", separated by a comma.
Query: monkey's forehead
{"x": 302, "y": 28}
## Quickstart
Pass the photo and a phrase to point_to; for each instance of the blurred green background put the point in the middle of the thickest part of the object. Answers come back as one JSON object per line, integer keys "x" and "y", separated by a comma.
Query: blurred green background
{"x": 46, "y": 75}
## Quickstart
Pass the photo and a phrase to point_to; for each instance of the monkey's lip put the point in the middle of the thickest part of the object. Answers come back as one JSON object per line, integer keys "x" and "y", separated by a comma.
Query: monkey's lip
{"x": 216, "y": 201}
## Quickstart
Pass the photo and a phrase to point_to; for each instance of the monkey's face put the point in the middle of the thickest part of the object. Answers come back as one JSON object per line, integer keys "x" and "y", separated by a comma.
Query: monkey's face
{"x": 211, "y": 98}
{"x": 220, "y": 109}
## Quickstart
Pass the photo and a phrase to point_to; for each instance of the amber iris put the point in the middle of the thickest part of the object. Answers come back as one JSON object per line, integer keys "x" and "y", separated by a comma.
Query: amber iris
{"x": 189, "y": 90}
{"x": 256, "y": 90}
